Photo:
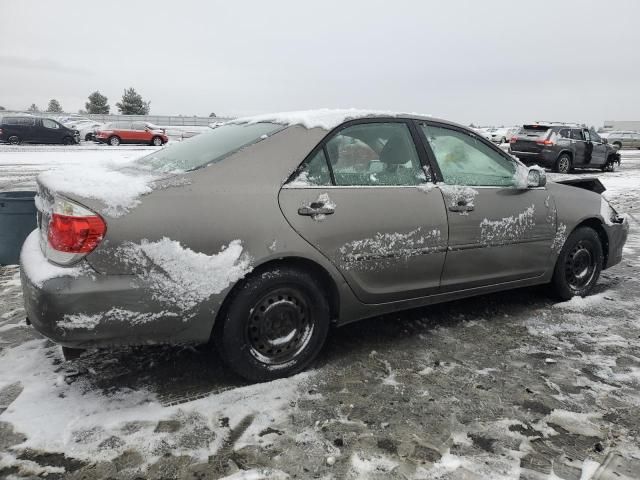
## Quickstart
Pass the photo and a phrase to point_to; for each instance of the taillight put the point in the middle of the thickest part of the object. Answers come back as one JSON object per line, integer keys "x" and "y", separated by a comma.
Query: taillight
{"x": 75, "y": 234}
{"x": 72, "y": 231}
{"x": 0, "y": 131}
{"x": 545, "y": 142}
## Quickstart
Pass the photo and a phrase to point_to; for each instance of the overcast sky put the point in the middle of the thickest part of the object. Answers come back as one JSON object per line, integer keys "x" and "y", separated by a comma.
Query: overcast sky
{"x": 481, "y": 61}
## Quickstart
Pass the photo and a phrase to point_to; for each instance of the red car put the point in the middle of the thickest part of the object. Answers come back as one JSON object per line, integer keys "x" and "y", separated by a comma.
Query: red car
{"x": 116, "y": 133}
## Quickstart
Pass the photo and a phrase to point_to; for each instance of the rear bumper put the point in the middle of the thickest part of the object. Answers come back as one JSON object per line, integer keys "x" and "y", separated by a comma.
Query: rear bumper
{"x": 617, "y": 234}
{"x": 544, "y": 159}
{"x": 78, "y": 307}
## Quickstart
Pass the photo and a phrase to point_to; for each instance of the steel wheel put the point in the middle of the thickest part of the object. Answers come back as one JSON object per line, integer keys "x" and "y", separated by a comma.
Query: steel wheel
{"x": 157, "y": 141}
{"x": 580, "y": 266}
{"x": 279, "y": 326}
{"x": 114, "y": 141}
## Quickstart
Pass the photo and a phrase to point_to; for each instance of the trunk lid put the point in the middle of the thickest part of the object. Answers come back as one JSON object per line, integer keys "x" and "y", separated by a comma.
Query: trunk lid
{"x": 528, "y": 138}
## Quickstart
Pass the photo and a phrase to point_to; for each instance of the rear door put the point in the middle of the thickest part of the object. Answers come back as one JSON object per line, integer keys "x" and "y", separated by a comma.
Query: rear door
{"x": 139, "y": 132}
{"x": 499, "y": 230}
{"x": 362, "y": 199}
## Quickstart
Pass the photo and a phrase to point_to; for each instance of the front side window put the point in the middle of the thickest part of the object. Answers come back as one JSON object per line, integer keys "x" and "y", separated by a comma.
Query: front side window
{"x": 375, "y": 154}
{"x": 315, "y": 172}
{"x": 206, "y": 148}
{"x": 46, "y": 123}
{"x": 138, "y": 126}
{"x": 465, "y": 160}
{"x": 594, "y": 136}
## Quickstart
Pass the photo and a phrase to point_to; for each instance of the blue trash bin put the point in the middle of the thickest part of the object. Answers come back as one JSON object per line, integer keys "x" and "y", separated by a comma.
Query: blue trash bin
{"x": 17, "y": 221}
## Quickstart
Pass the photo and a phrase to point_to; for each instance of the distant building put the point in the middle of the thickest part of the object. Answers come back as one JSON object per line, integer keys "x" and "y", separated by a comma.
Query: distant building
{"x": 617, "y": 125}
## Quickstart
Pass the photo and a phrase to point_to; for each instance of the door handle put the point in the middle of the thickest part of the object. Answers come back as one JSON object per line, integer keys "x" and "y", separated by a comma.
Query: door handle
{"x": 316, "y": 208}
{"x": 461, "y": 206}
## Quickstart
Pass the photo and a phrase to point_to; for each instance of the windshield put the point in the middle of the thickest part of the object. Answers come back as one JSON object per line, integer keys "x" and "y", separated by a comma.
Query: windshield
{"x": 534, "y": 130}
{"x": 207, "y": 147}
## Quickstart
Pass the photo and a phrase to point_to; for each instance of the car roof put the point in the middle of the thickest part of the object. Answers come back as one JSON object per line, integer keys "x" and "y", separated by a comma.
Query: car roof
{"x": 328, "y": 119}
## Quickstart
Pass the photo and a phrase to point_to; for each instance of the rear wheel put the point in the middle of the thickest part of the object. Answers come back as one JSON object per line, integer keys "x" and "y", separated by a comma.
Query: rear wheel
{"x": 563, "y": 164}
{"x": 14, "y": 140}
{"x": 114, "y": 141}
{"x": 579, "y": 264}
{"x": 157, "y": 141}
{"x": 275, "y": 325}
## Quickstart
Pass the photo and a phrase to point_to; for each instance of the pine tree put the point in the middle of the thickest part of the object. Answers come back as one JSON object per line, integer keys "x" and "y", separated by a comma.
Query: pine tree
{"x": 33, "y": 108}
{"x": 2, "y": 108}
{"x": 132, "y": 103}
{"x": 212, "y": 115}
{"x": 54, "y": 106}
{"x": 97, "y": 104}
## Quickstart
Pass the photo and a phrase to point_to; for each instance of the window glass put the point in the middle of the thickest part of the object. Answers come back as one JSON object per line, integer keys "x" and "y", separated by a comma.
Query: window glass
{"x": 594, "y": 136}
{"x": 565, "y": 133}
{"x": 314, "y": 172}
{"x": 46, "y": 123}
{"x": 209, "y": 147}
{"x": 138, "y": 126}
{"x": 465, "y": 160}
{"x": 576, "y": 134}
{"x": 375, "y": 154}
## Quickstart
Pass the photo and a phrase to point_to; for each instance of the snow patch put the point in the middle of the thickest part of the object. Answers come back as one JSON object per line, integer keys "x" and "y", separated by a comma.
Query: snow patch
{"x": 74, "y": 321}
{"x": 181, "y": 277}
{"x": 559, "y": 238}
{"x": 324, "y": 118}
{"x": 507, "y": 229}
{"x": 578, "y": 423}
{"x": 36, "y": 266}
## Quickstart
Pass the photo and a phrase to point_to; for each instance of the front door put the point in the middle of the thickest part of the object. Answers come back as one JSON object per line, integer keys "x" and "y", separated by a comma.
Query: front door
{"x": 598, "y": 149}
{"x": 362, "y": 199}
{"x": 499, "y": 230}
{"x": 50, "y": 131}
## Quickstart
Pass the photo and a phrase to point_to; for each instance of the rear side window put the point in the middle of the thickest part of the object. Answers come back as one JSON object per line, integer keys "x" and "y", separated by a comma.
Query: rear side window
{"x": 25, "y": 121}
{"x": 375, "y": 154}
{"x": 209, "y": 147}
{"x": 565, "y": 133}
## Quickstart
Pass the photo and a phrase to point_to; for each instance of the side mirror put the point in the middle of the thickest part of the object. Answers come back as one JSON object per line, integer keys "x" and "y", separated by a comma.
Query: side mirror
{"x": 536, "y": 177}
{"x": 605, "y": 141}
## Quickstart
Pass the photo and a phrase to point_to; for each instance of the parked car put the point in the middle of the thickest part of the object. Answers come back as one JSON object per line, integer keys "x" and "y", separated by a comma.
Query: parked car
{"x": 88, "y": 130}
{"x": 145, "y": 133}
{"x": 624, "y": 139}
{"x": 503, "y": 134}
{"x": 262, "y": 232}
{"x": 563, "y": 147}
{"x": 32, "y": 129}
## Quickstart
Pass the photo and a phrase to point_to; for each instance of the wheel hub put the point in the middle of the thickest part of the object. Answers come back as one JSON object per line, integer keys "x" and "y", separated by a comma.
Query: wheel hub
{"x": 580, "y": 267}
{"x": 279, "y": 326}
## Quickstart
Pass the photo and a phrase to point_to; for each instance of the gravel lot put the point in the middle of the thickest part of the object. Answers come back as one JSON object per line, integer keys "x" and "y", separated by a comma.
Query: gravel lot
{"x": 509, "y": 385}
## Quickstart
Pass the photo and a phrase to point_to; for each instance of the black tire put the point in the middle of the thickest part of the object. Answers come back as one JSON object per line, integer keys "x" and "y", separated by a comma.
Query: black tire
{"x": 579, "y": 264}
{"x": 274, "y": 326}
{"x": 563, "y": 164}
{"x": 156, "y": 141}
{"x": 72, "y": 353}
{"x": 68, "y": 141}
{"x": 610, "y": 166}
{"x": 88, "y": 137}
{"x": 617, "y": 145}
{"x": 114, "y": 141}
{"x": 14, "y": 140}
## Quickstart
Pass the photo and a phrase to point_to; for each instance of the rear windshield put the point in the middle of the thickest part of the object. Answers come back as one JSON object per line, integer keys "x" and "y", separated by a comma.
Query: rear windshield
{"x": 533, "y": 130}
{"x": 208, "y": 147}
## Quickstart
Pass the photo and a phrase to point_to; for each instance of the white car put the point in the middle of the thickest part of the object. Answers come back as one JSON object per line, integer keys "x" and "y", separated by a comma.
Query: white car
{"x": 502, "y": 135}
{"x": 87, "y": 129}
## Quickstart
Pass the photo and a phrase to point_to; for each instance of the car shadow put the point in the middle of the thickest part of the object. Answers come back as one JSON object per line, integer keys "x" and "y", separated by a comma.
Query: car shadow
{"x": 180, "y": 374}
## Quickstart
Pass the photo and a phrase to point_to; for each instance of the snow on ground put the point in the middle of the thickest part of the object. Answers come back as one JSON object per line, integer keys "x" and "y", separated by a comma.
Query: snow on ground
{"x": 505, "y": 386}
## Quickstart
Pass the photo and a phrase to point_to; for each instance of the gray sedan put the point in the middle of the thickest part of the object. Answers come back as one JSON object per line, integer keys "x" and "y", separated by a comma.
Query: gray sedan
{"x": 262, "y": 233}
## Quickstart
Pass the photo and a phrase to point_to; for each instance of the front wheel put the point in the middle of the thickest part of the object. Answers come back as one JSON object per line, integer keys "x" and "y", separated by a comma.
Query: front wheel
{"x": 275, "y": 325}
{"x": 579, "y": 264}
{"x": 157, "y": 141}
{"x": 563, "y": 164}
{"x": 68, "y": 141}
{"x": 14, "y": 140}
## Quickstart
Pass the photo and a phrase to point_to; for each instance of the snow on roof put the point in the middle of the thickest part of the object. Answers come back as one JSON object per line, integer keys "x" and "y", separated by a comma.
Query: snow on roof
{"x": 325, "y": 118}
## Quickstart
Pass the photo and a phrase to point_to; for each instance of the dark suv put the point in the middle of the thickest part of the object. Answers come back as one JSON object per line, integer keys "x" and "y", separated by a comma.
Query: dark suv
{"x": 563, "y": 147}
{"x": 29, "y": 129}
